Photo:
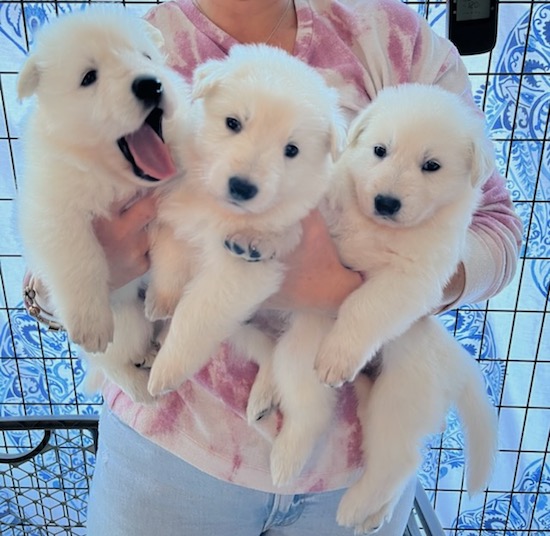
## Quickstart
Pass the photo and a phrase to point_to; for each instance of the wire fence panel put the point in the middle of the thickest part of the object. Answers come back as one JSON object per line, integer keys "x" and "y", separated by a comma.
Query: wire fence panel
{"x": 45, "y": 470}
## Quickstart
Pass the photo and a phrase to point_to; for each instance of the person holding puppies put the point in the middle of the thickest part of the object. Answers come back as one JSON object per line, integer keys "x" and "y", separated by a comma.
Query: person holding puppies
{"x": 190, "y": 464}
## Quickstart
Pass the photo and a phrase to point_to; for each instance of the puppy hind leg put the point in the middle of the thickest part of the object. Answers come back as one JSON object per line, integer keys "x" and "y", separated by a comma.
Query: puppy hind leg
{"x": 389, "y": 464}
{"x": 263, "y": 397}
{"x": 307, "y": 405}
{"x": 403, "y": 408}
{"x": 132, "y": 349}
{"x": 258, "y": 347}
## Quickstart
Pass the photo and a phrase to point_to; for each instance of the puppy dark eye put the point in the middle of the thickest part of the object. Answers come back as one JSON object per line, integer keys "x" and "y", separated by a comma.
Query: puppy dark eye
{"x": 147, "y": 55}
{"x": 380, "y": 151}
{"x": 291, "y": 150}
{"x": 430, "y": 165}
{"x": 233, "y": 124}
{"x": 89, "y": 78}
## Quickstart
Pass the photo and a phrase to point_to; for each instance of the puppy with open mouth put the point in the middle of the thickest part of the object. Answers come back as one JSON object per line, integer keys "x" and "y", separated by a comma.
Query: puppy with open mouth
{"x": 107, "y": 115}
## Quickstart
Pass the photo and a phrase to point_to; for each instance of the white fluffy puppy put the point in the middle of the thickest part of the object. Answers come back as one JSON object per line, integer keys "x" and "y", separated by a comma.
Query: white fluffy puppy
{"x": 411, "y": 179}
{"x": 95, "y": 136}
{"x": 264, "y": 127}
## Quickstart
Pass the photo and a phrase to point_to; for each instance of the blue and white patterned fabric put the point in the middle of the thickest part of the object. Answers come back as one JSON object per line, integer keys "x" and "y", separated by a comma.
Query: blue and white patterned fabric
{"x": 510, "y": 334}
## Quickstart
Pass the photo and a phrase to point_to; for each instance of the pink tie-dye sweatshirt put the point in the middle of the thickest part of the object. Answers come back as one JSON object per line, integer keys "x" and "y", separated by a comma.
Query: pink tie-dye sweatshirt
{"x": 359, "y": 48}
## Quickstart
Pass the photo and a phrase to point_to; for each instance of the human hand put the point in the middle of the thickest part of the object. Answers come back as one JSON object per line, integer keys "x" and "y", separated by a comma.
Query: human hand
{"x": 125, "y": 239}
{"x": 315, "y": 278}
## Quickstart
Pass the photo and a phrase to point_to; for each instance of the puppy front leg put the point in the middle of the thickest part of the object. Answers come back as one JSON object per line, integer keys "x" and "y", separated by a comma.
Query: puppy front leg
{"x": 72, "y": 264}
{"x": 171, "y": 269}
{"x": 216, "y": 302}
{"x": 381, "y": 309}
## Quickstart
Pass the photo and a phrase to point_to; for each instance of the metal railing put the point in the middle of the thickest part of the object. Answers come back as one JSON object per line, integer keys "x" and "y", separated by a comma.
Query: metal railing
{"x": 46, "y": 465}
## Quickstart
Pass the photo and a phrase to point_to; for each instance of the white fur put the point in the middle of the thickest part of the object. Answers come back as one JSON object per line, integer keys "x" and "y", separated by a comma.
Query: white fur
{"x": 407, "y": 261}
{"x": 279, "y": 101}
{"x": 75, "y": 171}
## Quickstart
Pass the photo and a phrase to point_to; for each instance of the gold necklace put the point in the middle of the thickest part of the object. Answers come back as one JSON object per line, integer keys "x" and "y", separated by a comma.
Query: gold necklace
{"x": 275, "y": 28}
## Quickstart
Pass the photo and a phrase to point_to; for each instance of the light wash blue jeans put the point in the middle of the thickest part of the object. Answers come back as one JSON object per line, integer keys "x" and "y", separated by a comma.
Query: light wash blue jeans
{"x": 140, "y": 489}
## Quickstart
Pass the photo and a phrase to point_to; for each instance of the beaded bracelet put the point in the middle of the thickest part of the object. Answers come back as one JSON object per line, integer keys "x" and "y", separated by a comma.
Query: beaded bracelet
{"x": 43, "y": 316}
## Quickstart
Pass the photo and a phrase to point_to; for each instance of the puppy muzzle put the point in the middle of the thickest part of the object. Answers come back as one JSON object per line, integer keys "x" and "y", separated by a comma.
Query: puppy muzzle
{"x": 144, "y": 148}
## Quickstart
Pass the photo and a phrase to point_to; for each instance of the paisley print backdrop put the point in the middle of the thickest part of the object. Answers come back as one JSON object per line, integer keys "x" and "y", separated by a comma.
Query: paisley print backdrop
{"x": 40, "y": 374}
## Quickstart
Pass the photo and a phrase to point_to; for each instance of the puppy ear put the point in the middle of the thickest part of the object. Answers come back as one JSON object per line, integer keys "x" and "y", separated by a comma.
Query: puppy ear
{"x": 28, "y": 79}
{"x": 154, "y": 34}
{"x": 337, "y": 137}
{"x": 358, "y": 125}
{"x": 206, "y": 77}
{"x": 483, "y": 160}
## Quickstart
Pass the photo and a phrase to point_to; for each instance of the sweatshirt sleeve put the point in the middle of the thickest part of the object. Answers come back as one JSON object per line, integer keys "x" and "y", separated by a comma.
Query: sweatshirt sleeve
{"x": 495, "y": 236}
{"x": 492, "y": 247}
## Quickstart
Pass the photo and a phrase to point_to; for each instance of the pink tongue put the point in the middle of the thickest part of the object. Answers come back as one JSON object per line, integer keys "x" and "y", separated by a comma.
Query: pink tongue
{"x": 150, "y": 153}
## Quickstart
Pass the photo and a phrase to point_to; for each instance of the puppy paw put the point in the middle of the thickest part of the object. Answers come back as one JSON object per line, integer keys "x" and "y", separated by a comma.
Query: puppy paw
{"x": 146, "y": 361}
{"x": 364, "y": 510}
{"x": 166, "y": 374}
{"x": 247, "y": 248}
{"x": 371, "y": 524}
{"x": 289, "y": 455}
{"x": 340, "y": 357}
{"x": 284, "y": 467}
{"x": 161, "y": 382}
{"x": 261, "y": 402}
{"x": 137, "y": 389}
{"x": 159, "y": 305}
{"x": 93, "y": 331}
{"x": 133, "y": 375}
{"x": 130, "y": 376}
{"x": 335, "y": 366}
{"x": 254, "y": 248}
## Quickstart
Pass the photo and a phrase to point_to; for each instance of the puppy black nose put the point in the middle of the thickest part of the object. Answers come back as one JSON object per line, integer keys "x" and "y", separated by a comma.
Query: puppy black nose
{"x": 386, "y": 205}
{"x": 241, "y": 189}
{"x": 148, "y": 90}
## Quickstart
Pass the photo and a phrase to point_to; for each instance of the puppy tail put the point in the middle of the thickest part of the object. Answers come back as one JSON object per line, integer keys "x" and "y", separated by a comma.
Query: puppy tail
{"x": 480, "y": 424}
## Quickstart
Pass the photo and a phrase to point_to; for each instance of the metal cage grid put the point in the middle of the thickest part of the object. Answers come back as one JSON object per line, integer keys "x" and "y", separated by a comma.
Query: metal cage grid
{"x": 45, "y": 470}
{"x": 509, "y": 335}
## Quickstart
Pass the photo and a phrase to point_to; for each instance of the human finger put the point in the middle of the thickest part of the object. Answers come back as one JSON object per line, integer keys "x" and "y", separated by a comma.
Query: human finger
{"x": 139, "y": 214}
